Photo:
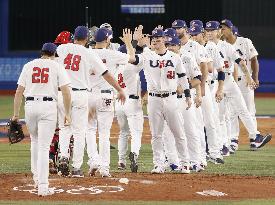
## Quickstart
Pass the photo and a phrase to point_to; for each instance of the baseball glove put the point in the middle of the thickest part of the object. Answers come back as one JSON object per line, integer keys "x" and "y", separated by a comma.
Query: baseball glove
{"x": 15, "y": 132}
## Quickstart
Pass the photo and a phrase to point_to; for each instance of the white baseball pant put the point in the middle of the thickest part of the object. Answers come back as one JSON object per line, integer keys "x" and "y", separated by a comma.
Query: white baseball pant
{"x": 160, "y": 109}
{"x": 130, "y": 120}
{"x": 78, "y": 127}
{"x": 41, "y": 119}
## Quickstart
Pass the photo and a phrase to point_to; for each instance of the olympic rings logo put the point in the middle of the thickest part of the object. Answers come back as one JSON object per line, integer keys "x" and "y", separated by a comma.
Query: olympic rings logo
{"x": 72, "y": 189}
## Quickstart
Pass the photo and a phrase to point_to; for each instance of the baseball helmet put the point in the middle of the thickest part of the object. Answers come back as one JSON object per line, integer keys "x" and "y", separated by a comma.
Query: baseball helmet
{"x": 64, "y": 37}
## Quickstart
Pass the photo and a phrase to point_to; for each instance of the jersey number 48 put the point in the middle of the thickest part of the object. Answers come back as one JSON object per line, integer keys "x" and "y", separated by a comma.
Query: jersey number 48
{"x": 72, "y": 62}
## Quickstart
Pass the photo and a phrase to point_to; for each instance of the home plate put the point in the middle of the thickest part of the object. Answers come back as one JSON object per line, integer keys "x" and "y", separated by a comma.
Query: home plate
{"x": 211, "y": 193}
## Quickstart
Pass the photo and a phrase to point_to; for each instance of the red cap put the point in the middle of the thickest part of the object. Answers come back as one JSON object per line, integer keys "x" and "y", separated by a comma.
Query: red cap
{"x": 63, "y": 38}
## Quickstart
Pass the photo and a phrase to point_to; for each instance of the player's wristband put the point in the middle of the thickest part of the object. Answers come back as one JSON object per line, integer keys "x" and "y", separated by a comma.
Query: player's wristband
{"x": 198, "y": 77}
{"x": 238, "y": 61}
{"x": 221, "y": 75}
{"x": 187, "y": 93}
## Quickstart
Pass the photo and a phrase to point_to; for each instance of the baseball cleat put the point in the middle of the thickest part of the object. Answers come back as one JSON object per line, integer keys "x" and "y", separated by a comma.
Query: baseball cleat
{"x": 225, "y": 151}
{"x": 64, "y": 167}
{"x": 92, "y": 170}
{"x": 121, "y": 166}
{"x": 216, "y": 160}
{"x": 133, "y": 160}
{"x": 104, "y": 172}
{"x": 234, "y": 145}
{"x": 259, "y": 141}
{"x": 52, "y": 167}
{"x": 47, "y": 192}
{"x": 77, "y": 173}
{"x": 196, "y": 168}
{"x": 185, "y": 169}
{"x": 157, "y": 170}
{"x": 174, "y": 167}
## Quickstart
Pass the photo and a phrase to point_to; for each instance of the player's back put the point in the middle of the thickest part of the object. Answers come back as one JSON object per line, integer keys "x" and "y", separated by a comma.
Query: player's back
{"x": 41, "y": 77}
{"x": 77, "y": 62}
{"x": 111, "y": 59}
{"x": 128, "y": 79}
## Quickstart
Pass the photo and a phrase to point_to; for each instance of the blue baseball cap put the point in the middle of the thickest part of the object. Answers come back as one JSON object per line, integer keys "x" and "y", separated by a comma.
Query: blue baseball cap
{"x": 179, "y": 24}
{"x": 173, "y": 41}
{"x": 102, "y": 34}
{"x": 196, "y": 22}
{"x": 170, "y": 32}
{"x": 195, "y": 30}
{"x": 122, "y": 48}
{"x": 81, "y": 32}
{"x": 212, "y": 25}
{"x": 50, "y": 47}
{"x": 227, "y": 23}
{"x": 157, "y": 33}
{"x": 235, "y": 31}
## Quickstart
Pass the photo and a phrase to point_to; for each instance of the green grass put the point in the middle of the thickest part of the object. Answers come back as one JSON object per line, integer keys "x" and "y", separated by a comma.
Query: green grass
{"x": 264, "y": 106}
{"x": 16, "y": 159}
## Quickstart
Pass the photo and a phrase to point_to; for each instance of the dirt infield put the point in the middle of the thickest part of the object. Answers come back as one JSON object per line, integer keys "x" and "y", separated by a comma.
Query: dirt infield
{"x": 142, "y": 186}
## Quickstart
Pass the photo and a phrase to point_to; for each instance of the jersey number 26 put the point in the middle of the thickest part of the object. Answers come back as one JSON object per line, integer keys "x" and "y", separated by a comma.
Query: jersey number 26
{"x": 40, "y": 75}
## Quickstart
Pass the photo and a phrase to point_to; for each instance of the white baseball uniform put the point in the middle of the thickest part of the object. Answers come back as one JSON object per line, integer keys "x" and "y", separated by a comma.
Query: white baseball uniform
{"x": 78, "y": 60}
{"x": 207, "y": 110}
{"x": 101, "y": 100}
{"x": 213, "y": 53}
{"x": 189, "y": 116}
{"x": 247, "y": 51}
{"x": 41, "y": 79}
{"x": 233, "y": 98}
{"x": 162, "y": 74}
{"x": 129, "y": 115}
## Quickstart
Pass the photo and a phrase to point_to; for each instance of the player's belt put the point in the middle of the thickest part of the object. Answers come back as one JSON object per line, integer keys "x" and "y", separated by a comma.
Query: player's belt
{"x": 212, "y": 81}
{"x": 77, "y": 89}
{"x": 134, "y": 97}
{"x": 163, "y": 95}
{"x": 239, "y": 78}
{"x": 106, "y": 91}
{"x": 44, "y": 98}
{"x": 179, "y": 96}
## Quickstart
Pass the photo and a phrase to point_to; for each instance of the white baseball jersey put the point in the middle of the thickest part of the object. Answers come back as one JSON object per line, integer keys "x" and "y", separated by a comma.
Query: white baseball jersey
{"x": 111, "y": 59}
{"x": 197, "y": 50}
{"x": 42, "y": 77}
{"x": 128, "y": 79}
{"x": 246, "y": 50}
{"x": 228, "y": 54}
{"x": 213, "y": 53}
{"x": 78, "y": 60}
{"x": 190, "y": 64}
{"x": 114, "y": 46}
{"x": 161, "y": 71}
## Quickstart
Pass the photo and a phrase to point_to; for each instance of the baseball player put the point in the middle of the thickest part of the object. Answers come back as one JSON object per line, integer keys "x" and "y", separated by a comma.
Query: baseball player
{"x": 111, "y": 45}
{"x": 249, "y": 54}
{"x": 39, "y": 82}
{"x": 129, "y": 115}
{"x": 101, "y": 100}
{"x": 234, "y": 100}
{"x": 78, "y": 61}
{"x": 163, "y": 70}
{"x": 206, "y": 116}
{"x": 216, "y": 65}
{"x": 193, "y": 74}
